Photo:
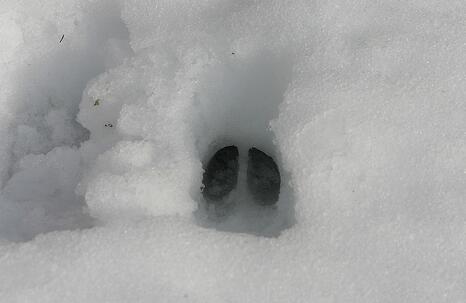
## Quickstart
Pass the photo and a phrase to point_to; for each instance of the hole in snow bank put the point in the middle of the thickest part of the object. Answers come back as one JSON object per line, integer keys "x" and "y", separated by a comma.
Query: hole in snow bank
{"x": 263, "y": 177}
{"x": 235, "y": 105}
{"x": 221, "y": 175}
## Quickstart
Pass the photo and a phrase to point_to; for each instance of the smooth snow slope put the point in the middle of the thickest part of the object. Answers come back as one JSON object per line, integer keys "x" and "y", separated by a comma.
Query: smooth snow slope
{"x": 104, "y": 134}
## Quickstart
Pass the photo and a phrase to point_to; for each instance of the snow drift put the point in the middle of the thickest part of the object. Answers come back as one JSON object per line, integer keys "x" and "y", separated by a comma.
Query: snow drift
{"x": 109, "y": 110}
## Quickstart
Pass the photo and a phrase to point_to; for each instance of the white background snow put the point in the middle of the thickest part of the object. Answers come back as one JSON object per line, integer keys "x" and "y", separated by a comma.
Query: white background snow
{"x": 104, "y": 134}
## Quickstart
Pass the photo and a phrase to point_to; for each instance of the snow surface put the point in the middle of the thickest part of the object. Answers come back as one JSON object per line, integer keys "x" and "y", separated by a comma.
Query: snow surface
{"x": 109, "y": 110}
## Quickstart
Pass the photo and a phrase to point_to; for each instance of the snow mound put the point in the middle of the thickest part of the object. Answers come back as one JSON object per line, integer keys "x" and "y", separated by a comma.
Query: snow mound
{"x": 110, "y": 110}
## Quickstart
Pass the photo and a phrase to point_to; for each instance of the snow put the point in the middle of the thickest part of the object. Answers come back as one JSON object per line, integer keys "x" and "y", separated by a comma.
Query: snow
{"x": 105, "y": 134}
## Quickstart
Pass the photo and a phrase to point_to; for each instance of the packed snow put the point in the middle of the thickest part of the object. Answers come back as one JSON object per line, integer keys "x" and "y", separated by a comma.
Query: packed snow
{"x": 110, "y": 111}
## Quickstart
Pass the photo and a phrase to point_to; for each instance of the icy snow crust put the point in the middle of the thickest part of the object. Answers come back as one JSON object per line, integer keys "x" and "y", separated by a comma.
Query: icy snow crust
{"x": 104, "y": 136}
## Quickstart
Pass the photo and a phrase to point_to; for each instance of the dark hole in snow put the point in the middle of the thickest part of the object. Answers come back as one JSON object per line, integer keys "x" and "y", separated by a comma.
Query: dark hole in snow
{"x": 243, "y": 191}
{"x": 235, "y": 106}
{"x": 263, "y": 177}
{"x": 221, "y": 178}
{"x": 221, "y": 174}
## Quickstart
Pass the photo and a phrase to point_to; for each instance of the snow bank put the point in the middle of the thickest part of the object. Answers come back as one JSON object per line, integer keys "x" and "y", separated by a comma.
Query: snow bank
{"x": 361, "y": 104}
